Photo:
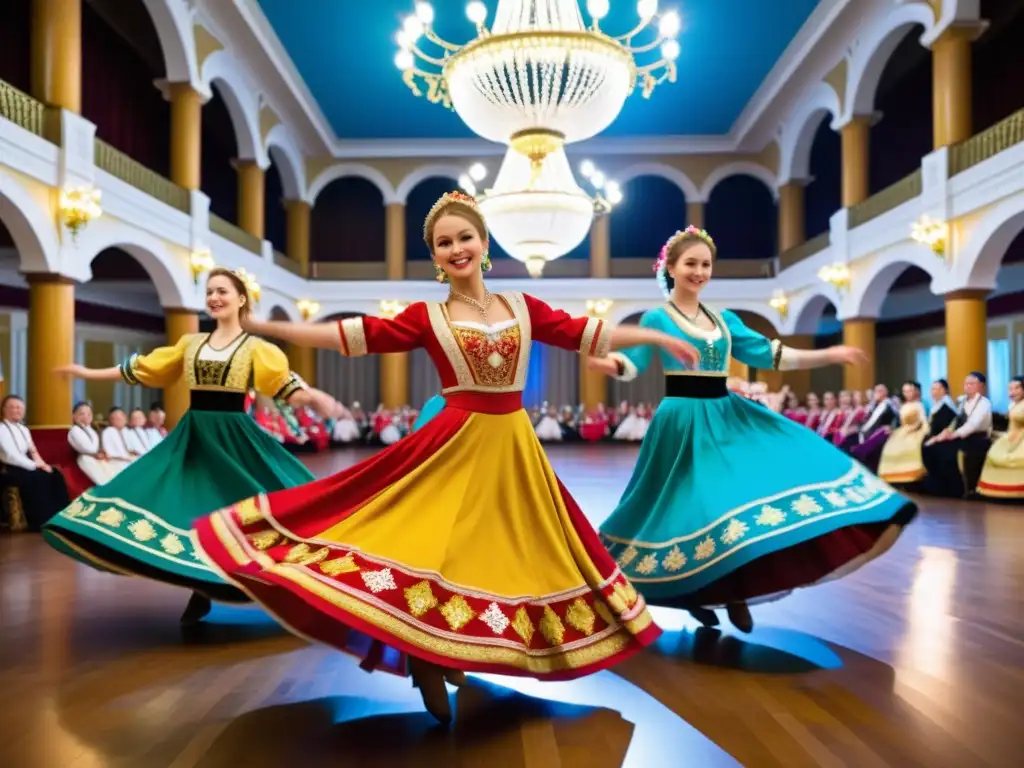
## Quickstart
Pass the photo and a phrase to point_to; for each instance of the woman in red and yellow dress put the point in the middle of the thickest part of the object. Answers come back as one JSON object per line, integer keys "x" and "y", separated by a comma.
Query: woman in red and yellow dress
{"x": 456, "y": 549}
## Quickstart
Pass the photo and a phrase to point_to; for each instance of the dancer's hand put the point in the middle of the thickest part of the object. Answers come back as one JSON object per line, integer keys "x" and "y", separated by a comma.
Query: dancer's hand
{"x": 325, "y": 406}
{"x": 73, "y": 371}
{"x": 683, "y": 351}
{"x": 604, "y": 365}
{"x": 843, "y": 355}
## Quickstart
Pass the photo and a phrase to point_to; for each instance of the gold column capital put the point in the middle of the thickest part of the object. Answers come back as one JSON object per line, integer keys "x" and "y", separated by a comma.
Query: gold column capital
{"x": 968, "y": 294}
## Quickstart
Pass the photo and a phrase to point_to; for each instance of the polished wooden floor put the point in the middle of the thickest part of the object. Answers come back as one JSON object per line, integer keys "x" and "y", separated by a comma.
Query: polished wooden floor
{"x": 916, "y": 660}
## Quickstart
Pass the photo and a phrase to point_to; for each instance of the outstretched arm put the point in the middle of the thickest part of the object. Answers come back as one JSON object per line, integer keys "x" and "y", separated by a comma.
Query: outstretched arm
{"x": 353, "y": 336}
{"x": 76, "y": 371}
{"x": 318, "y": 335}
{"x": 755, "y": 350}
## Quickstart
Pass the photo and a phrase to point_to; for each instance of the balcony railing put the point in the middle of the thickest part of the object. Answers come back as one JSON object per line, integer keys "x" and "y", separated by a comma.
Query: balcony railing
{"x": 118, "y": 164}
{"x": 22, "y": 110}
{"x": 286, "y": 263}
{"x": 891, "y": 197}
{"x": 803, "y": 251}
{"x": 235, "y": 234}
{"x": 989, "y": 143}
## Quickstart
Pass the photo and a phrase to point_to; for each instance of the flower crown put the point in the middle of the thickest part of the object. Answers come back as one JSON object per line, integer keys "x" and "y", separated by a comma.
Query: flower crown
{"x": 252, "y": 287}
{"x": 661, "y": 263}
{"x": 447, "y": 199}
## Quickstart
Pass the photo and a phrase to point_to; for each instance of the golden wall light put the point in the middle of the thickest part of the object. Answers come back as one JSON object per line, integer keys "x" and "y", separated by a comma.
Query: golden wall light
{"x": 598, "y": 307}
{"x": 79, "y": 206}
{"x": 200, "y": 262}
{"x": 307, "y": 308}
{"x": 780, "y": 303}
{"x": 837, "y": 275}
{"x": 391, "y": 308}
{"x": 934, "y": 234}
{"x": 251, "y": 284}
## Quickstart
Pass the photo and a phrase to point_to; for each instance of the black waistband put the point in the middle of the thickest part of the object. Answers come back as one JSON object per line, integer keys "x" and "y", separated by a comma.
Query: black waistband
{"x": 700, "y": 387}
{"x": 209, "y": 400}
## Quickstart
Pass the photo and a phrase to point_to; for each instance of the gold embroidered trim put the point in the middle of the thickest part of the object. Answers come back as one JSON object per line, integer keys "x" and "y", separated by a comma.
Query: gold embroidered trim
{"x": 355, "y": 336}
{"x": 517, "y": 304}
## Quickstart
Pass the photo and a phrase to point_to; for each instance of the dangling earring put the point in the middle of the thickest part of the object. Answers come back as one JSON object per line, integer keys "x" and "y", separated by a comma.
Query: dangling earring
{"x": 439, "y": 274}
{"x": 485, "y": 262}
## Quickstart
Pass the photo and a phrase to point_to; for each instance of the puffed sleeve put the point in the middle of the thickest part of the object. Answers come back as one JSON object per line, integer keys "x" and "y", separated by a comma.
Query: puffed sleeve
{"x": 633, "y": 361}
{"x": 271, "y": 374}
{"x": 368, "y": 335}
{"x": 160, "y": 368}
{"x": 557, "y": 328}
{"x": 750, "y": 347}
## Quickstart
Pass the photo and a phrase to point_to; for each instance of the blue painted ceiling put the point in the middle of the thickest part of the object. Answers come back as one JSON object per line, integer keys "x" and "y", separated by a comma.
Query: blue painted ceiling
{"x": 345, "y": 52}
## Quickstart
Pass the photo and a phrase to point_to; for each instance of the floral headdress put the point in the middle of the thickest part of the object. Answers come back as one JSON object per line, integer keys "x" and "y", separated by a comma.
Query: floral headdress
{"x": 661, "y": 263}
{"x": 447, "y": 199}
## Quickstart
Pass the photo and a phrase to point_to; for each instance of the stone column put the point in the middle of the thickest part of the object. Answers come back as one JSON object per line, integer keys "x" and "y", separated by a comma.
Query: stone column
{"x": 251, "y": 193}
{"x": 855, "y": 142}
{"x": 951, "y": 86}
{"x": 177, "y": 397}
{"x": 186, "y": 135}
{"x": 966, "y": 335}
{"x": 51, "y": 344}
{"x": 298, "y": 215}
{"x": 394, "y": 367}
{"x": 56, "y": 55}
{"x": 791, "y": 216}
{"x": 860, "y": 332}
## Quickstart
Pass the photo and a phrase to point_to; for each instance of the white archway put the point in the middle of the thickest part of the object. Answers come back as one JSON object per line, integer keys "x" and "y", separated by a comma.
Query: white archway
{"x": 738, "y": 168}
{"x": 284, "y": 153}
{"x": 280, "y": 311}
{"x": 868, "y": 293}
{"x": 873, "y": 50}
{"x": 242, "y": 100}
{"x": 359, "y": 170}
{"x": 667, "y": 172}
{"x": 173, "y": 24}
{"x": 797, "y": 135}
{"x": 410, "y": 182}
{"x": 978, "y": 262}
{"x": 33, "y": 230}
{"x": 173, "y": 285}
{"x": 807, "y": 310}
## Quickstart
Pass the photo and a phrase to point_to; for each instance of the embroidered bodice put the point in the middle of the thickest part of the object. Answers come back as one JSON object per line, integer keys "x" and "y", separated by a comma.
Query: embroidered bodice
{"x": 491, "y": 351}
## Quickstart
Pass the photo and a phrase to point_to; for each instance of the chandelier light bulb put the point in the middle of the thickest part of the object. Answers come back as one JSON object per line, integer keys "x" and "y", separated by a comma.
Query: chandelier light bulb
{"x": 646, "y": 9}
{"x": 476, "y": 12}
{"x": 413, "y": 28}
{"x": 670, "y": 24}
{"x": 425, "y": 13}
{"x": 670, "y": 50}
{"x": 478, "y": 172}
{"x": 587, "y": 169}
{"x": 613, "y": 192}
{"x": 404, "y": 60}
{"x": 597, "y": 179}
{"x": 597, "y": 9}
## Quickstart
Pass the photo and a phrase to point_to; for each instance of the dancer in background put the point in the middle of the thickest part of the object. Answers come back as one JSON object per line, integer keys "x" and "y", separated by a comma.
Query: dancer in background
{"x": 457, "y": 546}
{"x": 731, "y": 502}
{"x": 139, "y": 522}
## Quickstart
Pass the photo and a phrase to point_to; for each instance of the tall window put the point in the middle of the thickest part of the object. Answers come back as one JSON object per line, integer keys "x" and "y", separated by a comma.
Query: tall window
{"x": 999, "y": 374}
{"x": 929, "y": 366}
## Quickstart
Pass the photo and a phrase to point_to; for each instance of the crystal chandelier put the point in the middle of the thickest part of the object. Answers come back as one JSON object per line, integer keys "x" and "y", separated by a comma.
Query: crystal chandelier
{"x": 539, "y": 78}
{"x": 538, "y": 217}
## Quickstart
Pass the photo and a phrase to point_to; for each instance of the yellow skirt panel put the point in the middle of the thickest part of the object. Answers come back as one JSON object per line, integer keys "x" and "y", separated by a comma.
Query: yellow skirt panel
{"x": 901, "y": 460}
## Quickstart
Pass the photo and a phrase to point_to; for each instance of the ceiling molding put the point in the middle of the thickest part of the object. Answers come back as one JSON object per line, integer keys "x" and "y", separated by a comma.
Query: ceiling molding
{"x": 828, "y": 32}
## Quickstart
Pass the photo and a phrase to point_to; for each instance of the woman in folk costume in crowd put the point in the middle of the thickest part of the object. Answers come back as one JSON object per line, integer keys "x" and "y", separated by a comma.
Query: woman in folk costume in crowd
{"x": 42, "y": 491}
{"x": 86, "y": 442}
{"x": 457, "y": 546}
{"x": 731, "y": 502}
{"x": 901, "y": 462}
{"x": 1002, "y": 476}
{"x": 138, "y": 523}
{"x": 955, "y": 456}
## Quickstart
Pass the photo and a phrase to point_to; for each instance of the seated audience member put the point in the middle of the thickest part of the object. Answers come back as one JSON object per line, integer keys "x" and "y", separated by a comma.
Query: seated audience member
{"x": 135, "y": 438}
{"x": 793, "y": 410}
{"x": 112, "y": 439}
{"x": 901, "y": 462}
{"x": 843, "y": 426}
{"x": 345, "y": 429}
{"x": 829, "y": 415}
{"x": 86, "y": 442}
{"x": 155, "y": 431}
{"x": 1002, "y": 477}
{"x": 943, "y": 409}
{"x": 548, "y": 428}
{"x": 570, "y": 424}
{"x": 813, "y": 411}
{"x": 955, "y": 456}
{"x": 866, "y": 443}
{"x": 41, "y": 490}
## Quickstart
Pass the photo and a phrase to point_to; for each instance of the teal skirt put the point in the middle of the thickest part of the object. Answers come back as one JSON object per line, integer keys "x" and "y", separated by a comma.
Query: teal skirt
{"x": 730, "y": 502}
{"x": 139, "y": 523}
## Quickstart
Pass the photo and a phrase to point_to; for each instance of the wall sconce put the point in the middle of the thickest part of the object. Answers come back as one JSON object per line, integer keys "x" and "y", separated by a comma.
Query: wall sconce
{"x": 837, "y": 274}
{"x": 251, "y": 285}
{"x": 779, "y": 303}
{"x": 390, "y": 308}
{"x": 934, "y": 234}
{"x": 200, "y": 262}
{"x": 79, "y": 206}
{"x": 307, "y": 308}
{"x": 598, "y": 307}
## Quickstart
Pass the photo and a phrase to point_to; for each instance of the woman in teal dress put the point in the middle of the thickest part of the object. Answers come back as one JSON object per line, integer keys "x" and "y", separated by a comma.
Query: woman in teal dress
{"x": 138, "y": 523}
{"x": 730, "y": 502}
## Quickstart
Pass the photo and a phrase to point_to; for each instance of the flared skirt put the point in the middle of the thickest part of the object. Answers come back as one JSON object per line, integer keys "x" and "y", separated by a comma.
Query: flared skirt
{"x": 901, "y": 461}
{"x": 457, "y": 545}
{"x": 140, "y": 522}
{"x": 730, "y": 501}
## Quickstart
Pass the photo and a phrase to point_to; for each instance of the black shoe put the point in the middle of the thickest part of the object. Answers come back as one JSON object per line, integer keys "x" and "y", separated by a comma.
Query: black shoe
{"x": 705, "y": 616}
{"x": 199, "y": 606}
{"x": 739, "y": 616}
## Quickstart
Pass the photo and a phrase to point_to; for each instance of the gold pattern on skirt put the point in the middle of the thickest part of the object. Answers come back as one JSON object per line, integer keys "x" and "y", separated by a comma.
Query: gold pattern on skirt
{"x": 523, "y": 626}
{"x": 420, "y": 598}
{"x": 264, "y": 540}
{"x": 248, "y": 512}
{"x": 551, "y": 627}
{"x": 580, "y": 617}
{"x": 340, "y": 565}
{"x": 457, "y": 612}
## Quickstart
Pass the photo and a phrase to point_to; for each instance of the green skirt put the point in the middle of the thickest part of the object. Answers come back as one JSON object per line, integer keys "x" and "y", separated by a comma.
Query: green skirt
{"x": 140, "y": 522}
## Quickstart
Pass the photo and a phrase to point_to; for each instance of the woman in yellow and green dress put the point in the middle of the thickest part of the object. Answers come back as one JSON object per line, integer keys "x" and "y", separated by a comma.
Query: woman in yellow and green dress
{"x": 731, "y": 502}
{"x": 456, "y": 549}
{"x": 139, "y": 523}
